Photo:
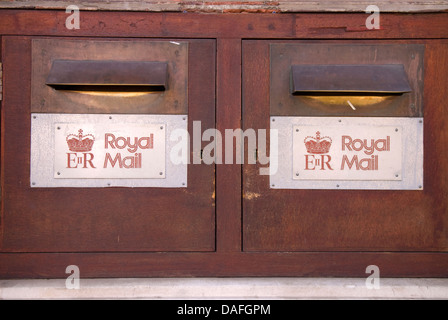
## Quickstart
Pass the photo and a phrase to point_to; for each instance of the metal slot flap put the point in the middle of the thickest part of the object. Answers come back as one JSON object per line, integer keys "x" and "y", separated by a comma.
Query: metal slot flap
{"x": 349, "y": 79}
{"x": 108, "y": 75}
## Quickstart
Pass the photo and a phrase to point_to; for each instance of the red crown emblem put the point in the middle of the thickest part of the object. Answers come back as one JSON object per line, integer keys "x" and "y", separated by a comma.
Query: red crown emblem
{"x": 317, "y": 144}
{"x": 80, "y": 142}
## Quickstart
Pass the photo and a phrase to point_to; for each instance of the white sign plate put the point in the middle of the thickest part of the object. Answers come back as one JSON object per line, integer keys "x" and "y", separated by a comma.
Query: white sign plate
{"x": 358, "y": 153}
{"x": 102, "y": 150}
{"x": 107, "y": 151}
{"x": 351, "y": 152}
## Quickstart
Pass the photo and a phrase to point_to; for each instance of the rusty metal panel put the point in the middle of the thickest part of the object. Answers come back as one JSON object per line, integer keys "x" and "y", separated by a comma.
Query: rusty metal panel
{"x": 1, "y": 83}
{"x": 284, "y": 103}
{"x": 45, "y": 99}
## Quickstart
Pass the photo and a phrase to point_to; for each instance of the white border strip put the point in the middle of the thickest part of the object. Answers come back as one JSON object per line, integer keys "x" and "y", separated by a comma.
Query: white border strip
{"x": 230, "y": 288}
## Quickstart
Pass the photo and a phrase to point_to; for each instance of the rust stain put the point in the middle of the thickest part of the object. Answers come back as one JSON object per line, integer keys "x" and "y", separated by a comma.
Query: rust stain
{"x": 251, "y": 195}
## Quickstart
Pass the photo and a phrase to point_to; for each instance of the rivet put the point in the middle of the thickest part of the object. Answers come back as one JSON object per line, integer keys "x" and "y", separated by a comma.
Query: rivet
{"x": 420, "y": 121}
{"x": 340, "y": 120}
{"x": 273, "y": 185}
{"x": 161, "y": 127}
{"x": 59, "y": 173}
{"x": 420, "y": 187}
{"x": 396, "y": 130}
{"x": 297, "y": 130}
{"x": 273, "y": 120}
{"x": 161, "y": 173}
{"x": 59, "y": 128}
{"x": 337, "y": 186}
{"x": 110, "y": 117}
{"x": 34, "y": 117}
{"x": 34, "y": 183}
{"x": 297, "y": 174}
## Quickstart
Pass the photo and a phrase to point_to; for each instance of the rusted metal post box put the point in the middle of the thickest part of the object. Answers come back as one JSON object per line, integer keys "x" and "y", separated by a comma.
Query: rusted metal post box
{"x": 102, "y": 121}
{"x": 353, "y": 147}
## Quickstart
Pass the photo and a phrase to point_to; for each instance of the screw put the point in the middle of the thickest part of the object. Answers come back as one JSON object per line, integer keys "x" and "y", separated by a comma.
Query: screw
{"x": 108, "y": 184}
{"x": 59, "y": 128}
{"x": 34, "y": 117}
{"x": 420, "y": 121}
{"x": 297, "y": 174}
{"x": 340, "y": 120}
{"x": 59, "y": 173}
{"x": 273, "y": 185}
{"x": 34, "y": 183}
{"x": 337, "y": 186}
{"x": 184, "y": 118}
{"x": 273, "y": 120}
{"x": 110, "y": 117}
{"x": 161, "y": 173}
{"x": 396, "y": 176}
{"x": 297, "y": 130}
{"x": 396, "y": 130}
{"x": 161, "y": 127}
{"x": 183, "y": 183}
{"x": 420, "y": 187}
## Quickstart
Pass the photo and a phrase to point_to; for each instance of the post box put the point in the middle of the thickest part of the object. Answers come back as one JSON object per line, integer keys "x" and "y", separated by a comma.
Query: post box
{"x": 101, "y": 166}
{"x": 349, "y": 117}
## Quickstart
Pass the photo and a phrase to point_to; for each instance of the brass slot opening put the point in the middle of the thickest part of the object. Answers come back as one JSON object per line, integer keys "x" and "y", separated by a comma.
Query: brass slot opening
{"x": 108, "y": 76}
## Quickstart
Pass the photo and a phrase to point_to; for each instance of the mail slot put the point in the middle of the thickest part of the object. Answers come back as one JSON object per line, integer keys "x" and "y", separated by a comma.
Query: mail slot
{"x": 104, "y": 130}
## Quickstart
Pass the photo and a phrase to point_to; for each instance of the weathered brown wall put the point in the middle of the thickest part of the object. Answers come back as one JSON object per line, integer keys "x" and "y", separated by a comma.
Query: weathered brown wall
{"x": 235, "y": 6}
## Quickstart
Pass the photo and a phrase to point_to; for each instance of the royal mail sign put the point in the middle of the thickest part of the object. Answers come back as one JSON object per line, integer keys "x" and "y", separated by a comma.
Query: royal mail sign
{"x": 348, "y": 153}
{"x": 354, "y": 152}
{"x": 101, "y": 150}
{"x": 108, "y": 151}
